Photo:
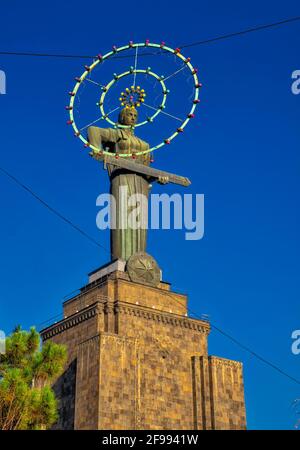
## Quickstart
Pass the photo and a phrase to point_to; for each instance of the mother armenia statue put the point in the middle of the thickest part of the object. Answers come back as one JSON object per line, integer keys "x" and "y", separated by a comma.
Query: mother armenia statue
{"x": 124, "y": 184}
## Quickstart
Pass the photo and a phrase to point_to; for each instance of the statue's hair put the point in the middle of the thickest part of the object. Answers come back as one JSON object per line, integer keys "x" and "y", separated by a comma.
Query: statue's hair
{"x": 121, "y": 115}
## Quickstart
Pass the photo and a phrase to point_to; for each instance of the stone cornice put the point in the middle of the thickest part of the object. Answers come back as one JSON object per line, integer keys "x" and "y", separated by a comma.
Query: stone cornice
{"x": 217, "y": 361}
{"x": 71, "y": 321}
{"x": 162, "y": 317}
{"x": 120, "y": 307}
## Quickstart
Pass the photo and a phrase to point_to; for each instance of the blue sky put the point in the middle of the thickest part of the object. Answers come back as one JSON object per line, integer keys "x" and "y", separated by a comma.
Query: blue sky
{"x": 241, "y": 152}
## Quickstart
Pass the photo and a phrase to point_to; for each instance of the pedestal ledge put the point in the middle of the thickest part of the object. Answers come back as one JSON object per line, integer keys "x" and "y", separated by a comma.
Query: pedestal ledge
{"x": 118, "y": 264}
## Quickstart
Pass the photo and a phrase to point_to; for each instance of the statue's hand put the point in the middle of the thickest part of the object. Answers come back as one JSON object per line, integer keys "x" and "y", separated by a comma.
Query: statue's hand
{"x": 97, "y": 155}
{"x": 163, "y": 180}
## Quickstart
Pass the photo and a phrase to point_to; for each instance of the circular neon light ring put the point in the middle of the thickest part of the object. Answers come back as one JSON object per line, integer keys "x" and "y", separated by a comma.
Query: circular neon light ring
{"x": 124, "y": 74}
{"x": 116, "y": 50}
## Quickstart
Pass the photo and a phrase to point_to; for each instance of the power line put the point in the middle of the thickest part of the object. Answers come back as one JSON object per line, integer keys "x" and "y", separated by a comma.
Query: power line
{"x": 192, "y": 44}
{"x": 240, "y": 33}
{"x": 83, "y": 233}
{"x": 69, "y": 222}
{"x": 247, "y": 349}
{"x": 46, "y": 55}
{"x": 219, "y": 330}
{"x": 51, "y": 209}
{"x": 241, "y": 345}
{"x": 53, "y": 55}
{"x": 256, "y": 355}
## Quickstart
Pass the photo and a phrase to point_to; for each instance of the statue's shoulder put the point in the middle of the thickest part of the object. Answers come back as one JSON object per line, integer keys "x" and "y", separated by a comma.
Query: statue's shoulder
{"x": 103, "y": 131}
{"x": 113, "y": 134}
{"x": 121, "y": 133}
{"x": 144, "y": 144}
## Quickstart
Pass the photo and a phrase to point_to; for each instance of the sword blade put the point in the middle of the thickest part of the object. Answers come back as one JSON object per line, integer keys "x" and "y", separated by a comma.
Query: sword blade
{"x": 125, "y": 163}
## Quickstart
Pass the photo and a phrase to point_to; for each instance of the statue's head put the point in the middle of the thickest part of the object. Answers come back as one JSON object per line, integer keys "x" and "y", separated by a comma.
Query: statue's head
{"x": 128, "y": 116}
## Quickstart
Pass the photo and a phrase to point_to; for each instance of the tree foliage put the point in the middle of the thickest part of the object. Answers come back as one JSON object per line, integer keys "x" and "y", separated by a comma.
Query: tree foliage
{"x": 27, "y": 401}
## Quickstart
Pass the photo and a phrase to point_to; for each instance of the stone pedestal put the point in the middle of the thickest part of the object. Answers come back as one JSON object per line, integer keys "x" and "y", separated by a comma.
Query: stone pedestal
{"x": 136, "y": 361}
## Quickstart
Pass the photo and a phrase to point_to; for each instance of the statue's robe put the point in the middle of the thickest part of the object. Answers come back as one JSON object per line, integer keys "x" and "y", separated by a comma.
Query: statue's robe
{"x": 125, "y": 239}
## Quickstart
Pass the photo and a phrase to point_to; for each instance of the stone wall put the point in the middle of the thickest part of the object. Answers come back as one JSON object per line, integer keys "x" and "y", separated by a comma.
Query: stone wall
{"x": 218, "y": 394}
{"x": 136, "y": 361}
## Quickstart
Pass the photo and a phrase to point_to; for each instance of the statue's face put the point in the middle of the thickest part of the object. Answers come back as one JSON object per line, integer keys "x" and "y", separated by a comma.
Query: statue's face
{"x": 129, "y": 116}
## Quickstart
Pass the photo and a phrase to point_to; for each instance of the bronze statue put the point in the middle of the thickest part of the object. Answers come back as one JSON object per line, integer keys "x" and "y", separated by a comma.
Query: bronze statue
{"x": 126, "y": 241}
{"x": 127, "y": 157}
